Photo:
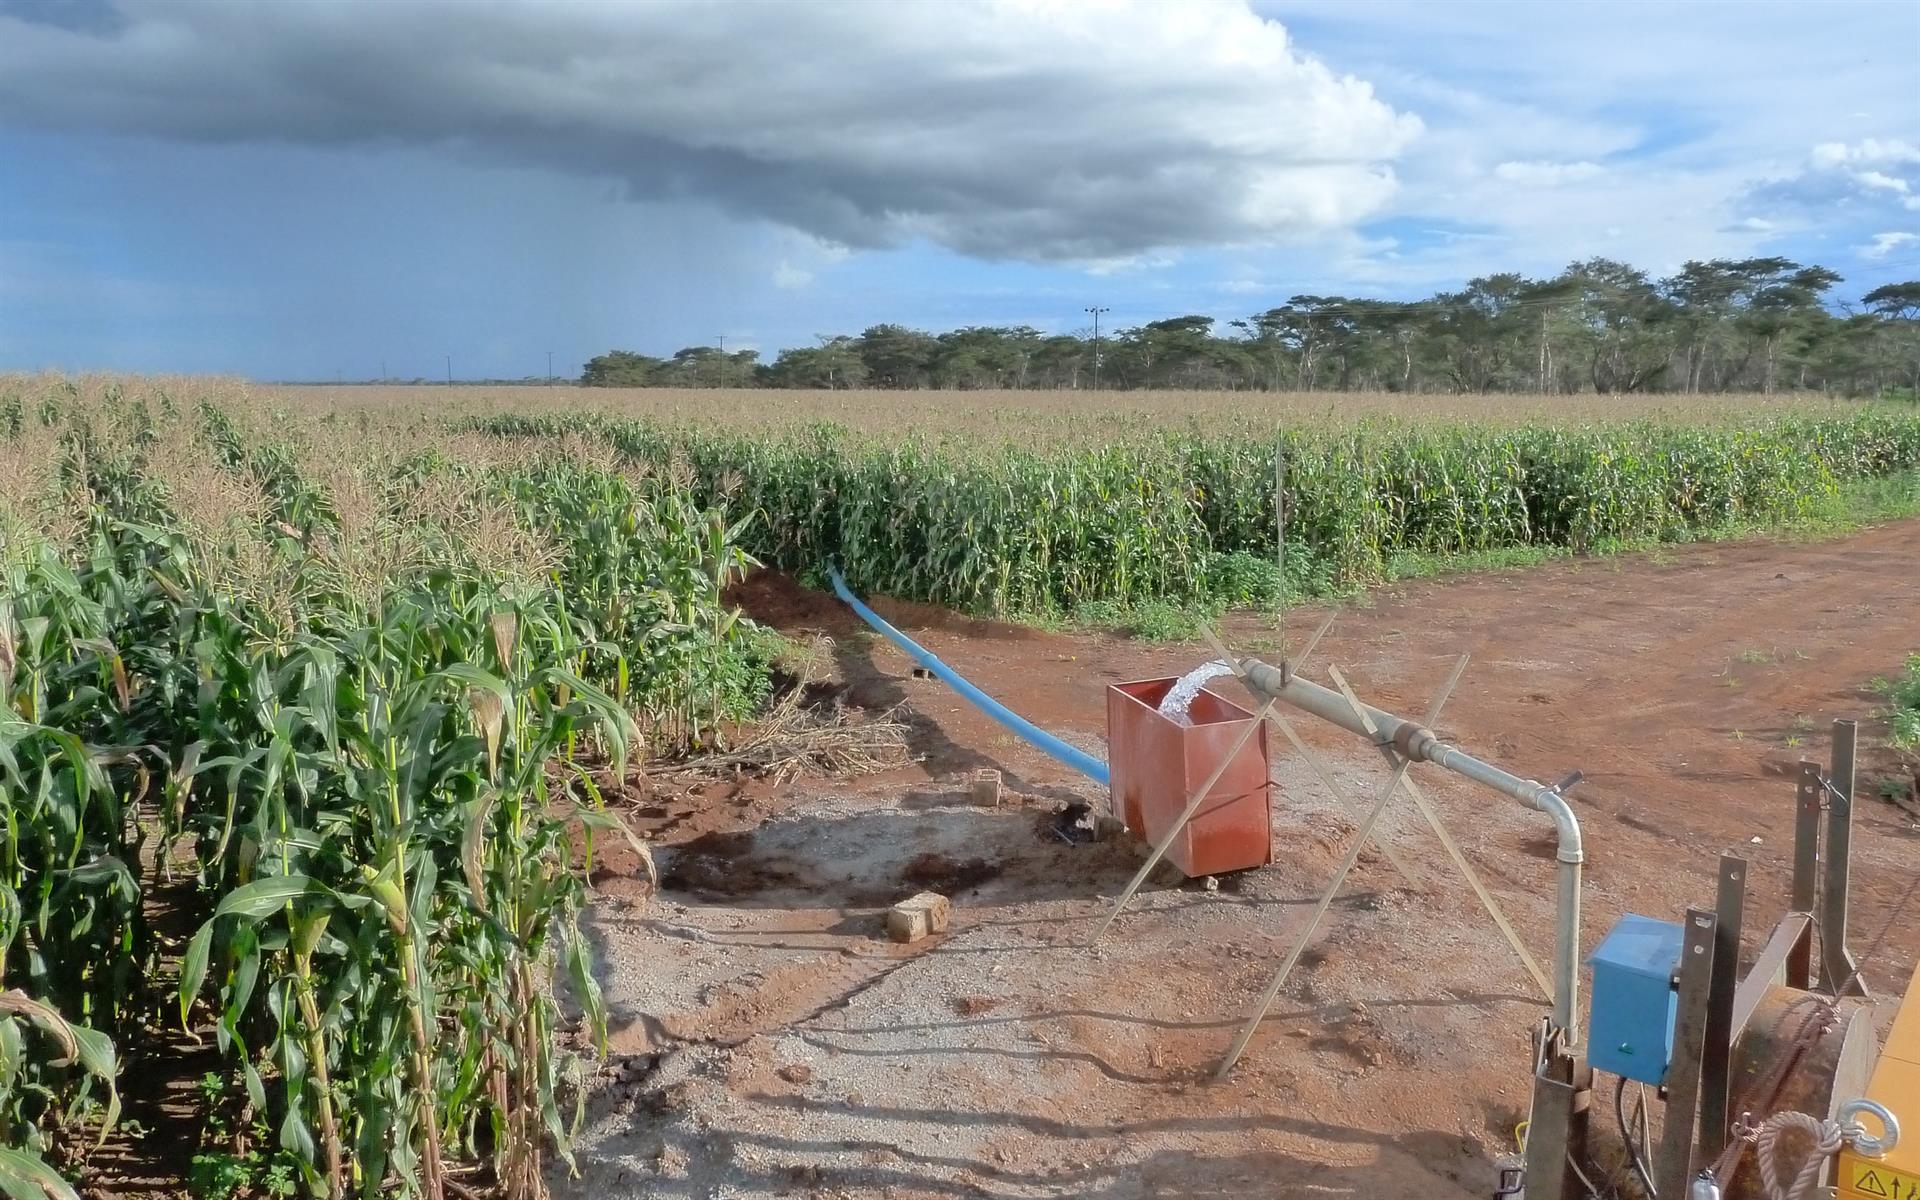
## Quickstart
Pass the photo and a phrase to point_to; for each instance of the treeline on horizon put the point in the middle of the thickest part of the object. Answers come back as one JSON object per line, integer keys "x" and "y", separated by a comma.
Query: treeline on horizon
{"x": 1756, "y": 324}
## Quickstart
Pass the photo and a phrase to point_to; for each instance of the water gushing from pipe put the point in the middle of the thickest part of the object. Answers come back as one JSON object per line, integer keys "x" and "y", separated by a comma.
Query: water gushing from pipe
{"x": 1179, "y": 699}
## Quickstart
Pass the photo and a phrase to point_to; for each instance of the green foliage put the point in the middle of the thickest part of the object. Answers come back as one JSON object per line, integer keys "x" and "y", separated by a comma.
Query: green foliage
{"x": 1189, "y": 517}
{"x": 380, "y": 708}
{"x": 695, "y": 366}
{"x": 222, "y": 1172}
{"x": 1903, "y": 698}
{"x": 1599, "y": 326}
{"x": 1164, "y": 621}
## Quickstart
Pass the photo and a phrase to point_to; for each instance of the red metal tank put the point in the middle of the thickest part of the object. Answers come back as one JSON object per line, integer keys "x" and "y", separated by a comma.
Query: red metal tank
{"x": 1155, "y": 764}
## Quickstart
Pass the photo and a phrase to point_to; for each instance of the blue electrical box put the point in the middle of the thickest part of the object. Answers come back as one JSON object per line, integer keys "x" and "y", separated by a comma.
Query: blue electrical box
{"x": 1630, "y": 1031}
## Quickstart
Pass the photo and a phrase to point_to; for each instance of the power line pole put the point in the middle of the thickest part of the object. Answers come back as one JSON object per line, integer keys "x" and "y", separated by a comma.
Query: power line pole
{"x": 383, "y": 370}
{"x": 549, "y": 368}
{"x": 1096, "y": 311}
{"x": 449, "y": 370}
{"x": 723, "y": 360}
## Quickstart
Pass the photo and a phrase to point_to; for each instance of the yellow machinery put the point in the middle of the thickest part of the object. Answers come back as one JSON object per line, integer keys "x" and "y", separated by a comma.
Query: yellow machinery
{"x": 1895, "y": 1175}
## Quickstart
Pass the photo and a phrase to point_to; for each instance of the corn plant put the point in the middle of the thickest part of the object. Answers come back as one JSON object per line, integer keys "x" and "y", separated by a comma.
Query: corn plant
{"x": 71, "y": 941}
{"x": 409, "y": 894}
{"x": 386, "y": 779}
{"x": 1132, "y": 517}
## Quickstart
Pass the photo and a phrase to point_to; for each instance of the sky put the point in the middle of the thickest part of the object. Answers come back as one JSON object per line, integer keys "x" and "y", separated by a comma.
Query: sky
{"x": 312, "y": 189}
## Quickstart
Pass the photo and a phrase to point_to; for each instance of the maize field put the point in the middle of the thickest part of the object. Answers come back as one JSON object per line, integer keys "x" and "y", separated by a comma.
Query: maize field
{"x": 1191, "y": 516}
{"x": 356, "y": 702}
{"x": 349, "y": 686}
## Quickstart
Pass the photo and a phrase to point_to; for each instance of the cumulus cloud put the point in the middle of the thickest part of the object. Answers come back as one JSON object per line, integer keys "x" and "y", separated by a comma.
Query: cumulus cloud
{"x": 1546, "y": 174}
{"x": 998, "y": 128}
{"x": 1884, "y": 244}
{"x": 1865, "y": 153}
{"x": 1869, "y": 175}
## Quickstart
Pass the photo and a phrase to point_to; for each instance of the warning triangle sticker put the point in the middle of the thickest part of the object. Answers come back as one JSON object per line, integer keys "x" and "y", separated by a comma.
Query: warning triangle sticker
{"x": 1868, "y": 1182}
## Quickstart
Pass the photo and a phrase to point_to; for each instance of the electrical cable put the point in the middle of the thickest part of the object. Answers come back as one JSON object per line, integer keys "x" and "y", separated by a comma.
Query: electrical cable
{"x": 1593, "y": 1193}
{"x": 1520, "y": 1139}
{"x": 1626, "y": 1137}
{"x": 1640, "y": 1122}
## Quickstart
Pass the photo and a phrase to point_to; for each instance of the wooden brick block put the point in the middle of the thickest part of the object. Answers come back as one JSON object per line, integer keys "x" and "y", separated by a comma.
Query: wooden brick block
{"x": 917, "y": 916}
{"x": 986, "y": 788}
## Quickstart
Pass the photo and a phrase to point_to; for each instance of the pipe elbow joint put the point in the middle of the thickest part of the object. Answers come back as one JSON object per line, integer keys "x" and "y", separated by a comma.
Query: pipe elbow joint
{"x": 1566, "y": 824}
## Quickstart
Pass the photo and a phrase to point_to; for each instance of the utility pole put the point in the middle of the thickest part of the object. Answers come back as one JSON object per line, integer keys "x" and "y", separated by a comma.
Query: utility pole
{"x": 549, "y": 368}
{"x": 723, "y": 360}
{"x": 449, "y": 370}
{"x": 1096, "y": 311}
{"x": 383, "y": 370}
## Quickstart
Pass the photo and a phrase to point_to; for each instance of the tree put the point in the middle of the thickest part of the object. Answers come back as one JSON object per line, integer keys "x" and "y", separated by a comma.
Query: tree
{"x": 1627, "y": 327}
{"x": 1058, "y": 361}
{"x": 1483, "y": 332}
{"x": 1766, "y": 323}
{"x": 984, "y": 357}
{"x": 1895, "y": 301}
{"x": 1781, "y": 296}
{"x": 834, "y": 363}
{"x": 1302, "y": 330}
{"x": 1176, "y": 352}
{"x": 705, "y": 366}
{"x": 620, "y": 368}
{"x": 1897, "y": 308}
{"x": 896, "y": 356}
{"x": 1704, "y": 296}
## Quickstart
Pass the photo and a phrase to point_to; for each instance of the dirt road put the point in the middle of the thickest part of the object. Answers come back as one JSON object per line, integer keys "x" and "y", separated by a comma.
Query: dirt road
{"x": 783, "y": 1050}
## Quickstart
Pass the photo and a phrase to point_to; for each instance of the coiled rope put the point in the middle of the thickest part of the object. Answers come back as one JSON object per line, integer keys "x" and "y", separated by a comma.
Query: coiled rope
{"x": 1828, "y": 1137}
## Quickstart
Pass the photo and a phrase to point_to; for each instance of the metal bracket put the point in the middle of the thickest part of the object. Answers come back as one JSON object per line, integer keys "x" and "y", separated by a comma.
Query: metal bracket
{"x": 1720, "y": 1034}
{"x": 1806, "y": 868}
{"x": 1673, "y": 1161}
{"x": 1823, "y": 868}
{"x": 1557, "y": 1118}
{"x": 1840, "y": 973}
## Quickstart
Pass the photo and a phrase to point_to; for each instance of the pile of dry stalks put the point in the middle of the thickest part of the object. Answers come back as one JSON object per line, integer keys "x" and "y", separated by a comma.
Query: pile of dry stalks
{"x": 796, "y": 738}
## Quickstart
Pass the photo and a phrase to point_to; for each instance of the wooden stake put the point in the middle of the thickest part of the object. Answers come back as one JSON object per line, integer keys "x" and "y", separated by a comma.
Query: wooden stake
{"x": 1360, "y": 837}
{"x": 1467, "y": 872}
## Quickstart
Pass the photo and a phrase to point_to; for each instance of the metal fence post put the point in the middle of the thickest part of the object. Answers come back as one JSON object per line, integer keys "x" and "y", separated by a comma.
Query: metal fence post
{"x": 1730, "y": 909}
{"x": 1841, "y": 974}
{"x": 1806, "y": 867}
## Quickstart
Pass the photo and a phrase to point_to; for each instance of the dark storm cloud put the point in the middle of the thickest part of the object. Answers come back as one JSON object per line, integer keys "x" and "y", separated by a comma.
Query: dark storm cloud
{"x": 1013, "y": 129}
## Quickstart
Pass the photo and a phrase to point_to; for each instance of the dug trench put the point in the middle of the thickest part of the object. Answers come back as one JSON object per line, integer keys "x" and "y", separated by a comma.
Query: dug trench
{"x": 775, "y": 1043}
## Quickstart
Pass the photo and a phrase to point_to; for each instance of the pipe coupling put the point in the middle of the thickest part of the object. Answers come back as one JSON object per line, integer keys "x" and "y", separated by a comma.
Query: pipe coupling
{"x": 1414, "y": 742}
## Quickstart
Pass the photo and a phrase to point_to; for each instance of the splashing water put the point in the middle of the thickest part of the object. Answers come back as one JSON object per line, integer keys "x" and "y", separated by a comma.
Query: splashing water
{"x": 1178, "y": 700}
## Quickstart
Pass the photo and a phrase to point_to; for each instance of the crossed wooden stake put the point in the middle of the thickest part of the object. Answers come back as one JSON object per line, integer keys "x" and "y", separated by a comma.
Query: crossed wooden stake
{"x": 1400, "y": 780}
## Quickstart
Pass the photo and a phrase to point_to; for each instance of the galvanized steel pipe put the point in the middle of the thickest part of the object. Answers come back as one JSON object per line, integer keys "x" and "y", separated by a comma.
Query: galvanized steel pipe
{"x": 1419, "y": 744}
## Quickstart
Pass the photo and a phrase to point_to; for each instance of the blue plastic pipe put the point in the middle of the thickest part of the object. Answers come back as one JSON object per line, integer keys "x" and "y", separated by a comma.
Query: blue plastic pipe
{"x": 1039, "y": 738}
